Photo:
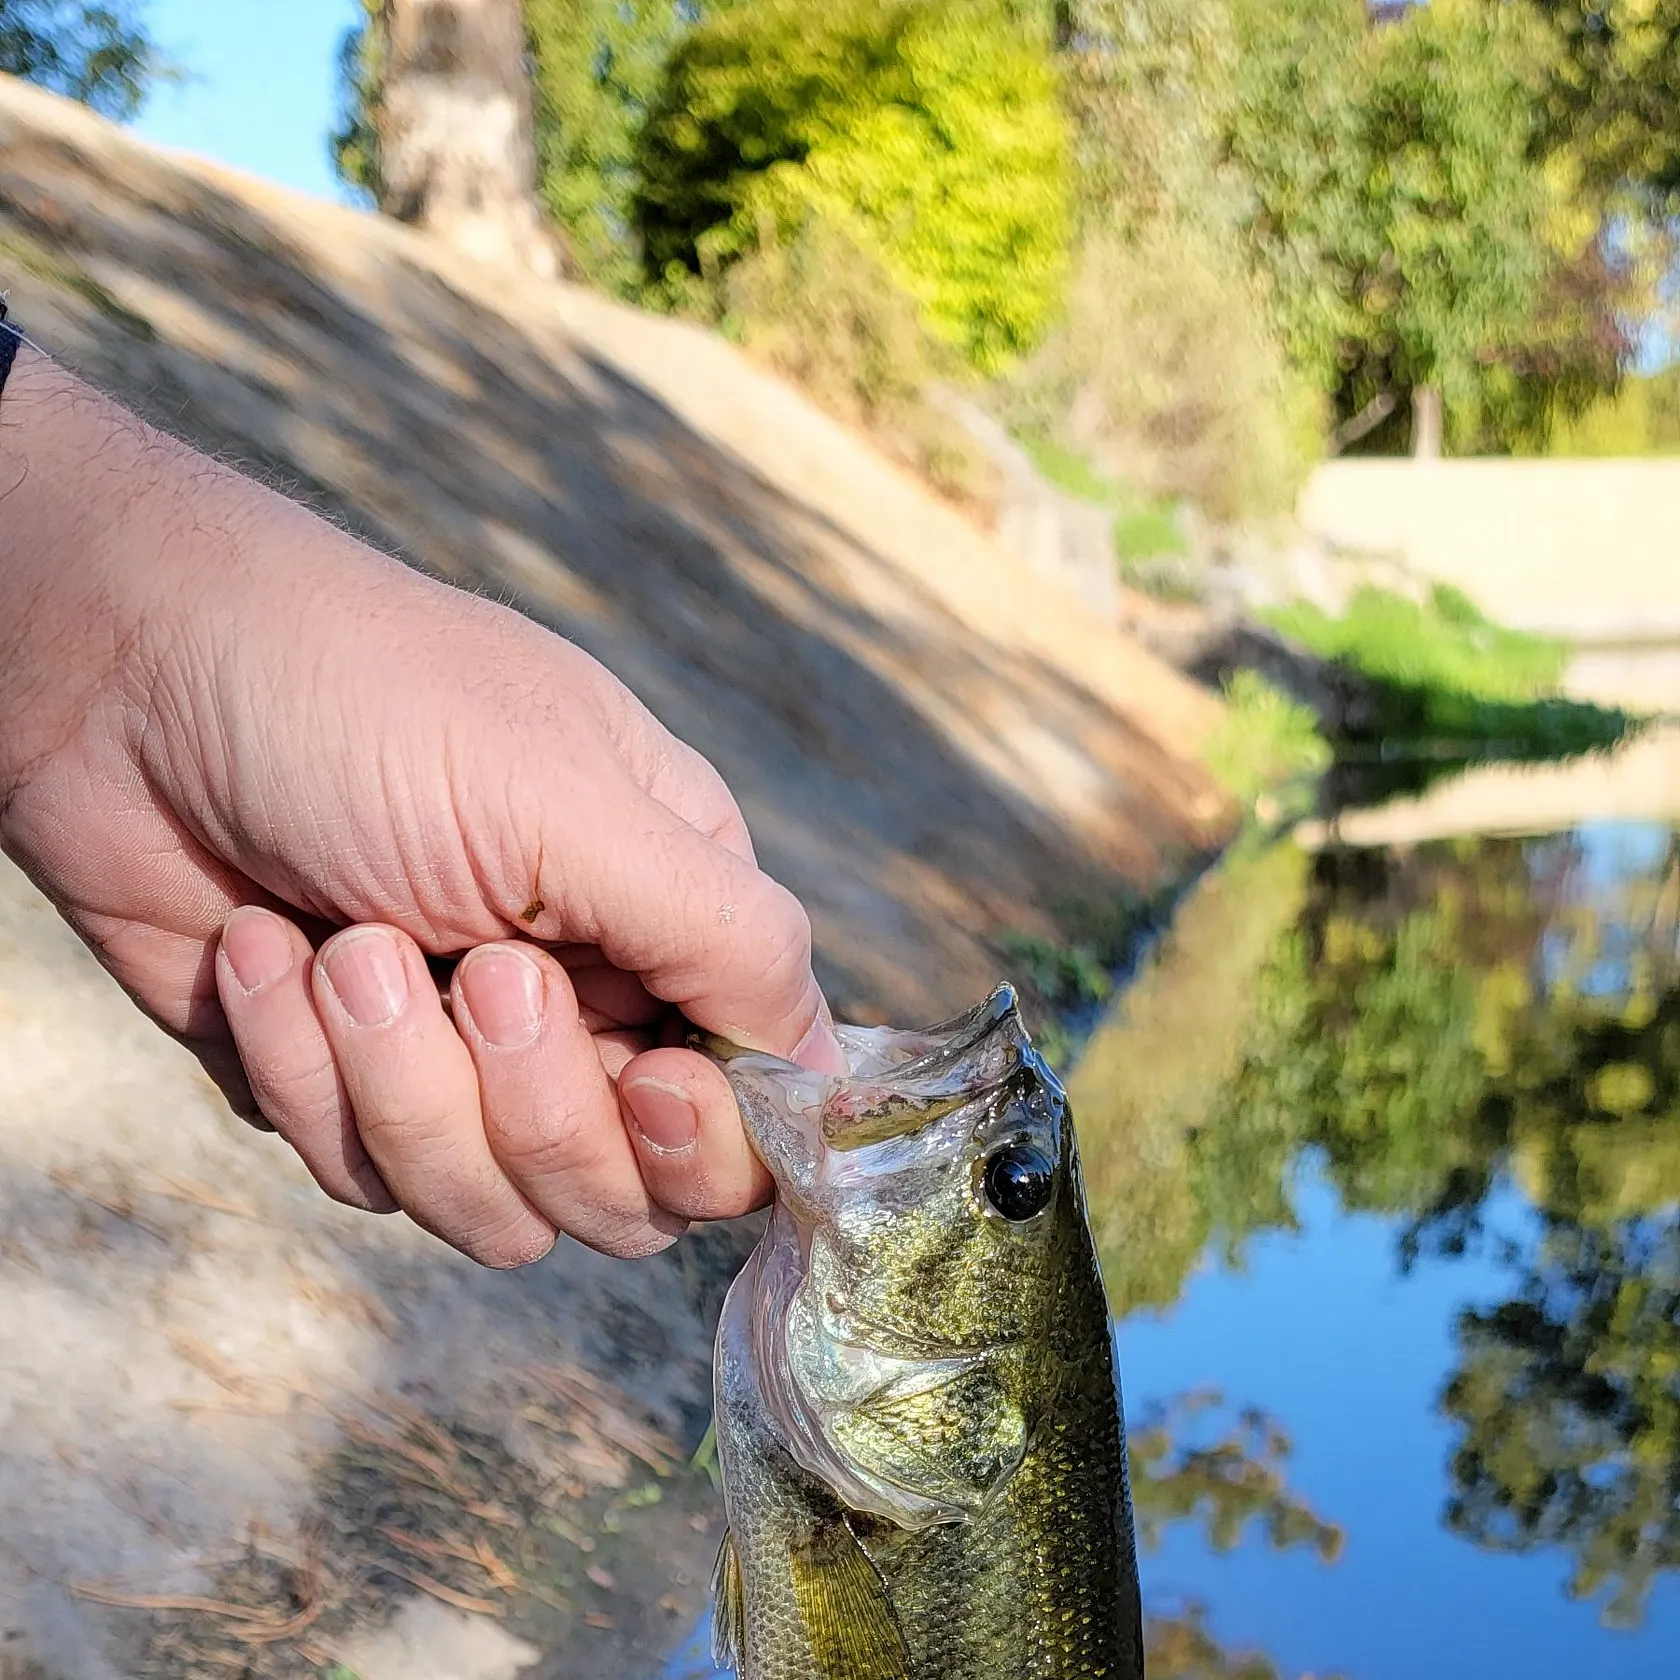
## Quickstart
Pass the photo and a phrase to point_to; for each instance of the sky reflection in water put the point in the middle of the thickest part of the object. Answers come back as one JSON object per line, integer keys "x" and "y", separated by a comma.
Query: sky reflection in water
{"x": 1374, "y": 1121}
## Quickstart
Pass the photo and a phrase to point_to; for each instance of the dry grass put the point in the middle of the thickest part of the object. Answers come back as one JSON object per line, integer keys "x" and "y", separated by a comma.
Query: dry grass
{"x": 410, "y": 1503}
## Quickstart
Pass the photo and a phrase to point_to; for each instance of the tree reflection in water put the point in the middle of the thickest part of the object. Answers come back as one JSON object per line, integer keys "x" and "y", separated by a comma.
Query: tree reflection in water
{"x": 1439, "y": 1023}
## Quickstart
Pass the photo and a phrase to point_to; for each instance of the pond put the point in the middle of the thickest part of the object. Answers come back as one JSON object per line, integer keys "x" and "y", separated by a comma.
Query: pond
{"x": 1384, "y": 1157}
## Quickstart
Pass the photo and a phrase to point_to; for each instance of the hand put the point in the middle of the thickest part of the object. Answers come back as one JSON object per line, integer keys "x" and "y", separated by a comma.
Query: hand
{"x": 267, "y": 774}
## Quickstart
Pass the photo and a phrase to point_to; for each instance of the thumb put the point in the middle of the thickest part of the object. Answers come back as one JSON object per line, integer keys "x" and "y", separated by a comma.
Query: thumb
{"x": 711, "y": 933}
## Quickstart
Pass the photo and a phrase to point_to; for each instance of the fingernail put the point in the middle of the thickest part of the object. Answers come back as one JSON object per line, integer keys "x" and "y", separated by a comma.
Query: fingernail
{"x": 366, "y": 972}
{"x": 664, "y": 1114}
{"x": 503, "y": 990}
{"x": 258, "y": 947}
{"x": 820, "y": 1050}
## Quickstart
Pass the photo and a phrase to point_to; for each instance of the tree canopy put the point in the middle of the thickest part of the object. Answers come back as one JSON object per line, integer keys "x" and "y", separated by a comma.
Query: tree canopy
{"x": 1343, "y": 203}
{"x": 597, "y": 66}
{"x": 98, "y": 54}
{"x": 932, "y": 132}
{"x": 1612, "y": 90}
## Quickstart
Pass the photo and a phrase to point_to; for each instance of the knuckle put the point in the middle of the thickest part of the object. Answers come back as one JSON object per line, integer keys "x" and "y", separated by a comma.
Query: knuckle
{"x": 560, "y": 1140}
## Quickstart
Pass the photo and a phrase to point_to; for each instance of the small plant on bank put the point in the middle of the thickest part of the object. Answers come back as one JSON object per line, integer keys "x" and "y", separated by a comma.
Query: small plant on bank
{"x": 1065, "y": 976}
{"x": 1151, "y": 549}
{"x": 1266, "y": 741}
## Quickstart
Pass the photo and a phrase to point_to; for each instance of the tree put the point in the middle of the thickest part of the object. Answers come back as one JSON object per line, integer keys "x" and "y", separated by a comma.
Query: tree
{"x": 1447, "y": 256}
{"x": 95, "y": 53}
{"x": 439, "y": 127}
{"x": 1294, "y": 138}
{"x": 1419, "y": 229}
{"x": 597, "y": 66}
{"x": 930, "y": 132}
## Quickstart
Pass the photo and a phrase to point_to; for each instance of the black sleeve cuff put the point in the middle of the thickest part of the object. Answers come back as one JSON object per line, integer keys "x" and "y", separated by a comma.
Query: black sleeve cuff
{"x": 10, "y": 339}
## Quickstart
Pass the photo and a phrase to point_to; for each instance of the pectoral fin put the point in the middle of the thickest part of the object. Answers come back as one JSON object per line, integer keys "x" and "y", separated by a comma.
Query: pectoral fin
{"x": 729, "y": 1608}
{"x": 848, "y": 1616}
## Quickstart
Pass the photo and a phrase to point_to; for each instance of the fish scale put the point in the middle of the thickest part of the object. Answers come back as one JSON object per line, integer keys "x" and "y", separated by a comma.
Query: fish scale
{"x": 918, "y": 1411}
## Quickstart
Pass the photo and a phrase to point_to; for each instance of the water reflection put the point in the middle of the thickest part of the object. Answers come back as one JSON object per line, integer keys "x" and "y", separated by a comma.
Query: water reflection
{"x": 1416, "y": 1112}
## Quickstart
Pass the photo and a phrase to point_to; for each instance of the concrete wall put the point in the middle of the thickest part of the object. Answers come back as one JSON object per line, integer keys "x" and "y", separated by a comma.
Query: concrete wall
{"x": 1589, "y": 549}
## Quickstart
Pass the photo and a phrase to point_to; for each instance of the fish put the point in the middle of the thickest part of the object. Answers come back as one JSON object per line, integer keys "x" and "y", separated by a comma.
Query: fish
{"x": 916, "y": 1396}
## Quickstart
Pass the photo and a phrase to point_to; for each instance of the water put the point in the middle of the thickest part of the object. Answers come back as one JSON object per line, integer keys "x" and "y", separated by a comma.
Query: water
{"x": 1384, "y": 1157}
{"x": 1416, "y": 1199}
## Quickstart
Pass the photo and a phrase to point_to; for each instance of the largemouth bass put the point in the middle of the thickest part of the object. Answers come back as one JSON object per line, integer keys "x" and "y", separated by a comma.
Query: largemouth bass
{"x": 918, "y": 1410}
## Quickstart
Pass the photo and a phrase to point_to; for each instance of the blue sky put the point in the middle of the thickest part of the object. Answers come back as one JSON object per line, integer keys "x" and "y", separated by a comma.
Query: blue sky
{"x": 261, "y": 93}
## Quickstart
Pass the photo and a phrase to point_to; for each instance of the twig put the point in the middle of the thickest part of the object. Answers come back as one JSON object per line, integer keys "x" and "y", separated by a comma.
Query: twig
{"x": 461, "y": 1600}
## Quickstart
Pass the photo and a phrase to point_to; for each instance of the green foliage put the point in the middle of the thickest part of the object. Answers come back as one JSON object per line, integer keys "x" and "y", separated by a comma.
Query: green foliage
{"x": 1147, "y": 529}
{"x": 361, "y": 80}
{"x": 1568, "y": 1399}
{"x": 1449, "y": 194}
{"x": 1069, "y": 469}
{"x": 1155, "y": 1072}
{"x": 1264, "y": 740}
{"x": 1150, "y": 85}
{"x": 1167, "y": 369}
{"x": 98, "y": 54}
{"x": 1612, "y": 90}
{"x": 597, "y": 66}
{"x": 1443, "y": 645}
{"x": 1179, "y": 1647}
{"x": 930, "y": 133}
{"x": 1228, "y": 1484}
{"x": 1417, "y": 226}
{"x": 1167, "y": 373}
{"x": 1430, "y": 1024}
{"x": 1065, "y": 976}
{"x": 1444, "y": 677}
{"x": 824, "y": 312}
{"x": 1643, "y": 418}
{"x": 1401, "y": 1035}
{"x": 1295, "y": 137}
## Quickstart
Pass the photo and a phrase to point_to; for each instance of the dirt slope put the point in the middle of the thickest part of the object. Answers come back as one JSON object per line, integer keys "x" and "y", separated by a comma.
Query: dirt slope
{"x": 215, "y": 1384}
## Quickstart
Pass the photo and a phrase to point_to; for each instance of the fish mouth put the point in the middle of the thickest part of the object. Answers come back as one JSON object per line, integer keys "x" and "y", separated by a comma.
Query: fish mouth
{"x": 899, "y": 1082}
{"x": 902, "y": 1082}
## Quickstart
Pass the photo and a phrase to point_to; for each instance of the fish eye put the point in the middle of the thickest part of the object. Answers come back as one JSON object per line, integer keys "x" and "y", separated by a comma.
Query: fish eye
{"x": 1018, "y": 1181}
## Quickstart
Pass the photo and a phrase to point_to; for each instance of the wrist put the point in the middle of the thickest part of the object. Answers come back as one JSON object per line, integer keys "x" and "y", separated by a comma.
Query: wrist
{"x": 87, "y": 497}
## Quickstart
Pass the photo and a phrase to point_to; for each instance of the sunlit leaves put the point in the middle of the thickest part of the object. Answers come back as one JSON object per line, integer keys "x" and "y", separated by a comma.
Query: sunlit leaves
{"x": 932, "y": 133}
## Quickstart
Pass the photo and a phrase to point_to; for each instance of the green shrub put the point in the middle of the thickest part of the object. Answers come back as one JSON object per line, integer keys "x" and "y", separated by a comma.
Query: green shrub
{"x": 1445, "y": 681}
{"x": 1643, "y": 418}
{"x": 930, "y": 132}
{"x": 1265, "y": 739}
{"x": 1065, "y": 976}
{"x": 1149, "y": 530}
{"x": 1067, "y": 469}
{"x": 826, "y": 314}
{"x": 1168, "y": 374}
